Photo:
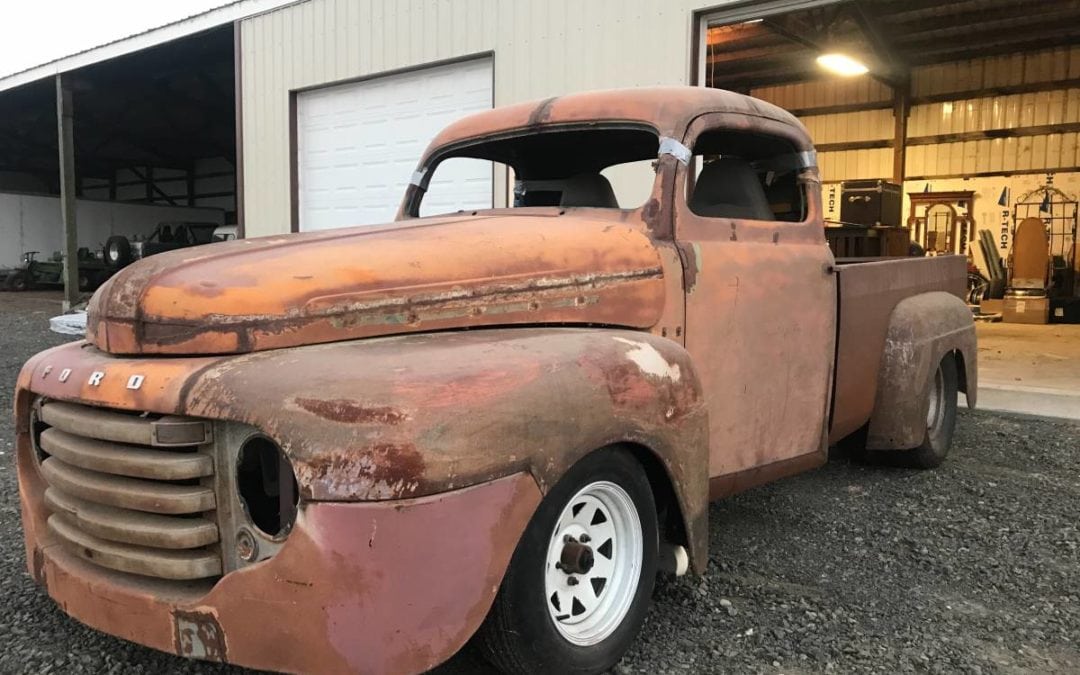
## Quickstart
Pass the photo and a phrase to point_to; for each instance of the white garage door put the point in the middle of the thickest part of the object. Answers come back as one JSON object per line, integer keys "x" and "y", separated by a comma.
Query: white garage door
{"x": 358, "y": 144}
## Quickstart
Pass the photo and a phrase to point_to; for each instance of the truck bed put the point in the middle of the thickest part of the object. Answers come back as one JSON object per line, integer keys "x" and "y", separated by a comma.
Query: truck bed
{"x": 868, "y": 291}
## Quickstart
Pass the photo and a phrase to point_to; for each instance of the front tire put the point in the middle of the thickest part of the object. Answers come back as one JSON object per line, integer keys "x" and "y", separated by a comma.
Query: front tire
{"x": 581, "y": 579}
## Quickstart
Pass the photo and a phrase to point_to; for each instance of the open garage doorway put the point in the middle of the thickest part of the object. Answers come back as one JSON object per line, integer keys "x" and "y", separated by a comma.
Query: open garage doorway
{"x": 940, "y": 128}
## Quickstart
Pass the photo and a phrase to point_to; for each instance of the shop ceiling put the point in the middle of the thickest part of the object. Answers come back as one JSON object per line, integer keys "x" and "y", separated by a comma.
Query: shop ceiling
{"x": 165, "y": 106}
{"x": 890, "y": 36}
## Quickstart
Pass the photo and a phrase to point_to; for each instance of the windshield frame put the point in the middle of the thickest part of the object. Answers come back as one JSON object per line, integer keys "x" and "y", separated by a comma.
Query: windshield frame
{"x": 429, "y": 164}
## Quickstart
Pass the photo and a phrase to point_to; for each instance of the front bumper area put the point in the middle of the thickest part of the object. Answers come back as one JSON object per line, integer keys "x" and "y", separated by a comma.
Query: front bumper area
{"x": 395, "y": 586}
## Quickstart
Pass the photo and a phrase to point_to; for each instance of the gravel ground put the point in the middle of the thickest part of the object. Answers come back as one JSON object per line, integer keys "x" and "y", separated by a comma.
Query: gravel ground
{"x": 974, "y": 567}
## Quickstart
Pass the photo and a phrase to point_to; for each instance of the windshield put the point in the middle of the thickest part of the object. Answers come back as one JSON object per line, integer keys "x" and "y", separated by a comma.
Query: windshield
{"x": 595, "y": 167}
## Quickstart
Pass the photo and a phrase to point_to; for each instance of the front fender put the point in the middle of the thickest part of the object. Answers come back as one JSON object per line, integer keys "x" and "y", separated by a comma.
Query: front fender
{"x": 416, "y": 415}
{"x": 923, "y": 329}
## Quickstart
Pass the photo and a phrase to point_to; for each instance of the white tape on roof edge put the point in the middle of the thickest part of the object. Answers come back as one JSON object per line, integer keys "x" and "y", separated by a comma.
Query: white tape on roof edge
{"x": 670, "y": 146}
{"x": 807, "y": 159}
{"x": 418, "y": 178}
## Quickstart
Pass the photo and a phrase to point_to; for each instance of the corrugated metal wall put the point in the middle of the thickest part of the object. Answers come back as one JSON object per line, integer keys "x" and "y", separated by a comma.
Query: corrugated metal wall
{"x": 1051, "y": 65}
{"x": 826, "y": 92}
{"x": 538, "y": 53}
{"x": 967, "y": 113}
{"x": 842, "y": 127}
{"x": 964, "y": 115}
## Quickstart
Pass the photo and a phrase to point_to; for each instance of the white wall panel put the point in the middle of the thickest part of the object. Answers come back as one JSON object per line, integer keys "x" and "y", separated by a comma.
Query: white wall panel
{"x": 844, "y": 165}
{"x": 33, "y": 223}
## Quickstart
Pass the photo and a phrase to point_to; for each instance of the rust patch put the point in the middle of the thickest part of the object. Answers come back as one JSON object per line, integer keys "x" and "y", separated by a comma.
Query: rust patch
{"x": 630, "y": 389}
{"x": 650, "y": 212}
{"x": 542, "y": 112}
{"x": 382, "y": 471}
{"x": 690, "y": 263}
{"x": 199, "y": 636}
{"x": 38, "y": 563}
{"x": 351, "y": 412}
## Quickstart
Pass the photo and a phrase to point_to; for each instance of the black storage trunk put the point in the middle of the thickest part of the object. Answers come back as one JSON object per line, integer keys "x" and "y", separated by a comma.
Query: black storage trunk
{"x": 871, "y": 202}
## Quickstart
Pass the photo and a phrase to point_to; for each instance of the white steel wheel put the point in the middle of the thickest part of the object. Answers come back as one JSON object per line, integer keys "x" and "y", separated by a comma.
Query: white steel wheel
{"x": 580, "y": 581}
{"x": 593, "y": 563}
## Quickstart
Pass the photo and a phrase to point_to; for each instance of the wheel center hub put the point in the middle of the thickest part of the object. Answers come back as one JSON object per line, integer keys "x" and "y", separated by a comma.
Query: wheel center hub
{"x": 576, "y": 558}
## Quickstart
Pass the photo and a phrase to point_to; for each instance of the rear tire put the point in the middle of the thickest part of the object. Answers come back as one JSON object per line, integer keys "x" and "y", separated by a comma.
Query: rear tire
{"x": 940, "y": 418}
{"x": 117, "y": 251}
{"x": 580, "y": 582}
{"x": 19, "y": 280}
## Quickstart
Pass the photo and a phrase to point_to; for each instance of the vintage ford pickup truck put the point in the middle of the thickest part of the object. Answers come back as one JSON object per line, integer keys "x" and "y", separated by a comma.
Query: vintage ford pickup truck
{"x": 356, "y": 450}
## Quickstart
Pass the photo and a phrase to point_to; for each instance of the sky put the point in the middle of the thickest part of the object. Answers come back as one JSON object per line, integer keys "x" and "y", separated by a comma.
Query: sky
{"x": 33, "y": 32}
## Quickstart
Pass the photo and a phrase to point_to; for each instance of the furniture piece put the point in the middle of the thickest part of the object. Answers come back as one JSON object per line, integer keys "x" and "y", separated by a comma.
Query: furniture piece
{"x": 941, "y": 222}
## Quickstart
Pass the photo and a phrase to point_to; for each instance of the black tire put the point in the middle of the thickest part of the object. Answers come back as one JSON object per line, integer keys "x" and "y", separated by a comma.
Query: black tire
{"x": 117, "y": 251}
{"x": 19, "y": 280}
{"x": 84, "y": 282}
{"x": 519, "y": 635}
{"x": 943, "y": 386}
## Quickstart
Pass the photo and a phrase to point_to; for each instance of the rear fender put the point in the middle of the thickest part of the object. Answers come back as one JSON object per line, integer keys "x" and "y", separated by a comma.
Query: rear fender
{"x": 923, "y": 330}
{"x": 408, "y": 416}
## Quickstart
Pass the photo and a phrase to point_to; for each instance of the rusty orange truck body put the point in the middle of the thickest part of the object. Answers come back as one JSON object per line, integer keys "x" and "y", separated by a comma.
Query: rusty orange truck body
{"x": 350, "y": 451}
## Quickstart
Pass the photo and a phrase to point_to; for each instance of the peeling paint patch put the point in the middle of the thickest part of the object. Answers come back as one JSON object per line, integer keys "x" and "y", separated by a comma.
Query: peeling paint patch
{"x": 351, "y": 412}
{"x": 650, "y": 361}
{"x": 199, "y": 636}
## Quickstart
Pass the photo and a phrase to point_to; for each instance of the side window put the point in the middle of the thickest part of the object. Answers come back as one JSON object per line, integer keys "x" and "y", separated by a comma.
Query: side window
{"x": 747, "y": 176}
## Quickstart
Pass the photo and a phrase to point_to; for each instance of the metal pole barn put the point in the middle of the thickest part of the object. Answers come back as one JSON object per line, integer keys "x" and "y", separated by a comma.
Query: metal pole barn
{"x": 66, "y": 145}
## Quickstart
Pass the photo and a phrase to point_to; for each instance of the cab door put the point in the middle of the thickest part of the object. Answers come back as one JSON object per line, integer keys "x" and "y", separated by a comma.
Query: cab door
{"x": 761, "y": 297}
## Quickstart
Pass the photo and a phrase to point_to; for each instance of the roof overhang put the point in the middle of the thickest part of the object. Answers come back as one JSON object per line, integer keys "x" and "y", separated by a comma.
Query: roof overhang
{"x": 178, "y": 29}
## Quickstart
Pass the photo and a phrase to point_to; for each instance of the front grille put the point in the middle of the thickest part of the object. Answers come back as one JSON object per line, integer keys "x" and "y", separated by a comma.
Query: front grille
{"x": 130, "y": 492}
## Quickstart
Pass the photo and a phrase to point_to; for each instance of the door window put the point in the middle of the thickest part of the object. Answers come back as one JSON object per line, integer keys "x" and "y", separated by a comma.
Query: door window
{"x": 746, "y": 176}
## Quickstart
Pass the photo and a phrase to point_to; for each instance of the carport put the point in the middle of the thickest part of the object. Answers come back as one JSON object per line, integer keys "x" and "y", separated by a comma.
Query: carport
{"x": 117, "y": 139}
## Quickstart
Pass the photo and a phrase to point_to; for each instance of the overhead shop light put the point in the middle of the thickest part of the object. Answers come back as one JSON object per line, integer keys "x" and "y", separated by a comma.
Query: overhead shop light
{"x": 842, "y": 64}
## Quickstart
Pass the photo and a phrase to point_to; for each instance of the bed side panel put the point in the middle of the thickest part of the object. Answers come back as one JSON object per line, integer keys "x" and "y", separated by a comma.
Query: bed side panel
{"x": 869, "y": 291}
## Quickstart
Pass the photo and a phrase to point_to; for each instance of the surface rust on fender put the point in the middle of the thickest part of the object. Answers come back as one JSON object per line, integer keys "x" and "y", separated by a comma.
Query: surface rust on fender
{"x": 437, "y": 412}
{"x": 923, "y": 330}
{"x": 432, "y": 412}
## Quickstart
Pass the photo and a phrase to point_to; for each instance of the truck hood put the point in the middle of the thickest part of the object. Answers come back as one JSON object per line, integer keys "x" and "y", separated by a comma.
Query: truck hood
{"x": 418, "y": 275}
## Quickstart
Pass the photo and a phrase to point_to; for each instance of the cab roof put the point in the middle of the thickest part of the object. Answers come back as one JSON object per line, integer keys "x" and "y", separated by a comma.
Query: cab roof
{"x": 669, "y": 110}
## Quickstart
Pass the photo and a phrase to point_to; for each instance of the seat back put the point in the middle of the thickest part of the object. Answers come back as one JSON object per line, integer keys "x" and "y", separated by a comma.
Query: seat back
{"x": 588, "y": 189}
{"x": 729, "y": 188}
